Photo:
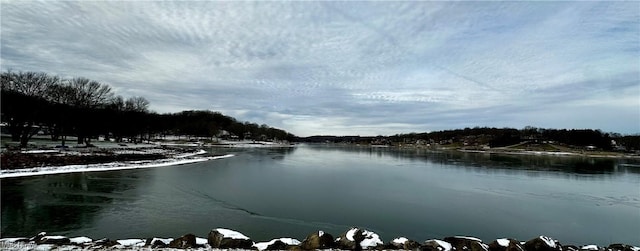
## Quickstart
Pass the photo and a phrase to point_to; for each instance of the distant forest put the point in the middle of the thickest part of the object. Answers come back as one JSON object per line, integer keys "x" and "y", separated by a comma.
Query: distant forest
{"x": 86, "y": 109}
{"x": 499, "y": 137}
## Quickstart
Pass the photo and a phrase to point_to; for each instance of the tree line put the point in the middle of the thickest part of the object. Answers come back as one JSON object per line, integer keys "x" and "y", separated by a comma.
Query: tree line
{"x": 498, "y": 137}
{"x": 86, "y": 109}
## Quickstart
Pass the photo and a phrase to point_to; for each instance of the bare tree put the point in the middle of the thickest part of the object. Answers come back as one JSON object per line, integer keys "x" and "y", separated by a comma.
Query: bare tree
{"x": 137, "y": 104}
{"x": 35, "y": 84}
{"x": 89, "y": 93}
{"x": 24, "y": 95}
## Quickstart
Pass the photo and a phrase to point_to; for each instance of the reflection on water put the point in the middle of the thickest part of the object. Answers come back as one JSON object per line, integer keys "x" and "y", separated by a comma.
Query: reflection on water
{"x": 479, "y": 161}
{"x": 276, "y": 192}
{"x": 61, "y": 202}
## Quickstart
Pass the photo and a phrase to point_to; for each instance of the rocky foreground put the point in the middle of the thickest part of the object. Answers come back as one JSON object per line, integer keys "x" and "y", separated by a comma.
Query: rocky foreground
{"x": 353, "y": 239}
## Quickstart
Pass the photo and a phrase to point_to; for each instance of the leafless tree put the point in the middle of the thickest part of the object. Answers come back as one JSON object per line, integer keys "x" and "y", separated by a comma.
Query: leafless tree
{"x": 137, "y": 104}
{"x": 89, "y": 94}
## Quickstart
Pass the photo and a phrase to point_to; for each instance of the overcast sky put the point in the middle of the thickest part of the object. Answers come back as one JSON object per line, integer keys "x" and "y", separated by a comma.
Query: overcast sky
{"x": 348, "y": 68}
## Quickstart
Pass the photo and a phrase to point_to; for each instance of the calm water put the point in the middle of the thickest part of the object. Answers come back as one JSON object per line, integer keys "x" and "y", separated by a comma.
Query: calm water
{"x": 268, "y": 193}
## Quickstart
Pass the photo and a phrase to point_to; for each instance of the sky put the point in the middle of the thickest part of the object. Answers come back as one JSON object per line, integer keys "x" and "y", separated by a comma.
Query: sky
{"x": 347, "y": 68}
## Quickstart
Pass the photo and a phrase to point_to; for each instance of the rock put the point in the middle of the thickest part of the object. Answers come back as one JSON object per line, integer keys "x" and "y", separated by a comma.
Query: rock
{"x": 461, "y": 243}
{"x": 622, "y": 247}
{"x": 80, "y": 241}
{"x": 225, "y": 239}
{"x": 358, "y": 239}
{"x": 38, "y": 236}
{"x": 589, "y": 247}
{"x": 55, "y": 240}
{"x": 318, "y": 240}
{"x": 277, "y": 244}
{"x": 505, "y": 245}
{"x": 403, "y": 243}
{"x": 158, "y": 242}
{"x": 542, "y": 243}
{"x": 437, "y": 245}
{"x": 104, "y": 243}
{"x": 570, "y": 248}
{"x": 185, "y": 241}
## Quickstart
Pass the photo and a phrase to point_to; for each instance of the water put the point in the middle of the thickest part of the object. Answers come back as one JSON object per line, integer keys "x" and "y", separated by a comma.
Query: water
{"x": 269, "y": 193}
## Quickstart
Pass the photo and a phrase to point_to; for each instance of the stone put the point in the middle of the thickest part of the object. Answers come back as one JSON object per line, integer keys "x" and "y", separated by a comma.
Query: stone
{"x": 318, "y": 240}
{"x": 542, "y": 243}
{"x": 226, "y": 239}
{"x": 437, "y": 245}
{"x": 402, "y": 243}
{"x": 464, "y": 243}
{"x": 358, "y": 239}
{"x": 55, "y": 240}
{"x": 621, "y": 247}
{"x": 506, "y": 245}
{"x": 185, "y": 241}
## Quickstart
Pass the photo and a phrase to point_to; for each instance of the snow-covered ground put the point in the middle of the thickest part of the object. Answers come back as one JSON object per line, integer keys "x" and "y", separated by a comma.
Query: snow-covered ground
{"x": 180, "y": 159}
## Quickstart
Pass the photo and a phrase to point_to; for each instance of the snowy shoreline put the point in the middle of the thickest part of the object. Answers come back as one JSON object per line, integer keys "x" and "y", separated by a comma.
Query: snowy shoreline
{"x": 179, "y": 159}
{"x": 353, "y": 239}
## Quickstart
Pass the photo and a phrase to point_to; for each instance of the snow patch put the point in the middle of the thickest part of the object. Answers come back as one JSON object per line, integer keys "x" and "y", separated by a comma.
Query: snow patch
{"x": 320, "y": 233}
{"x": 634, "y": 248}
{"x": 446, "y": 245}
{"x": 131, "y": 242}
{"x": 12, "y": 239}
{"x": 227, "y": 233}
{"x": 550, "y": 242}
{"x": 263, "y": 245}
{"x": 400, "y": 240}
{"x": 468, "y": 238}
{"x": 40, "y": 151}
{"x": 350, "y": 234}
{"x": 80, "y": 240}
{"x": 371, "y": 240}
{"x": 54, "y": 237}
{"x": 199, "y": 241}
{"x": 503, "y": 242}
{"x": 166, "y": 241}
{"x": 113, "y": 166}
{"x": 589, "y": 247}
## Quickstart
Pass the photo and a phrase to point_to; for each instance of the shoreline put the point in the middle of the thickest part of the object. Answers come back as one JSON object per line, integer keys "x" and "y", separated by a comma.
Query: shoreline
{"x": 177, "y": 159}
{"x": 353, "y": 239}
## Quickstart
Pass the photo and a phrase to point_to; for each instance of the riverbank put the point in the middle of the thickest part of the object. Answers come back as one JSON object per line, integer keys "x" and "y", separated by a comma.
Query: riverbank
{"x": 48, "y": 157}
{"x": 44, "y": 161}
{"x": 352, "y": 239}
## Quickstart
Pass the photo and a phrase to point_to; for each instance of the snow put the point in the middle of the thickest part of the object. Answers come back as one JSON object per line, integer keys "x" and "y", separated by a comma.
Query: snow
{"x": 199, "y": 241}
{"x": 113, "y": 166}
{"x": 549, "y": 241}
{"x": 634, "y": 248}
{"x": 469, "y": 238}
{"x": 446, "y": 245}
{"x": 131, "y": 242}
{"x": 40, "y": 151}
{"x": 589, "y": 247}
{"x": 350, "y": 233}
{"x": 400, "y": 240}
{"x": 12, "y": 239}
{"x": 163, "y": 240}
{"x": 226, "y": 233}
{"x": 503, "y": 242}
{"x": 263, "y": 245}
{"x": 320, "y": 233}
{"x": 54, "y": 237}
{"x": 80, "y": 240}
{"x": 371, "y": 240}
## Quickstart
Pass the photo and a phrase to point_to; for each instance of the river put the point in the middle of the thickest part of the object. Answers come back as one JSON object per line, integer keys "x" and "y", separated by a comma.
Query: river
{"x": 291, "y": 192}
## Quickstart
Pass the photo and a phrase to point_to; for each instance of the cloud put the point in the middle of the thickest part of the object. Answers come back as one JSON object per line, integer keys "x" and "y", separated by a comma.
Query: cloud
{"x": 342, "y": 68}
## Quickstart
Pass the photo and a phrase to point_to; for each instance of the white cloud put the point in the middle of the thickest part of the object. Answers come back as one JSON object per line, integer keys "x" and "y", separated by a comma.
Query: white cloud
{"x": 346, "y": 67}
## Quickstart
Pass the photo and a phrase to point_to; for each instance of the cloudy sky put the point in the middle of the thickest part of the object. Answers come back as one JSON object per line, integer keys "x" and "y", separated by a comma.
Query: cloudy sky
{"x": 348, "y": 68}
